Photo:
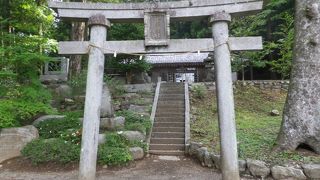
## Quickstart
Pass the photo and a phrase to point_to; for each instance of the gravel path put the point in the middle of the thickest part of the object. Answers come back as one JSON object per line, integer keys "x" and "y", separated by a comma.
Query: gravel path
{"x": 152, "y": 168}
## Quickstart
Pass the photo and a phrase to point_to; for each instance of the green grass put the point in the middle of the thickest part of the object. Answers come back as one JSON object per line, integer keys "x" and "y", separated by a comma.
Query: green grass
{"x": 257, "y": 130}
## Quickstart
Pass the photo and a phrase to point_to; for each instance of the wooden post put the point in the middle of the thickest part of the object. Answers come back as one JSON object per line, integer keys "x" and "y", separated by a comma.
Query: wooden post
{"x": 226, "y": 114}
{"x": 90, "y": 133}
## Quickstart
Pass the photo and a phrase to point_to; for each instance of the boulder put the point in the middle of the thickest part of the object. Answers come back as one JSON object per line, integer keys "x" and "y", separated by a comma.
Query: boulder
{"x": 208, "y": 160}
{"x": 133, "y": 135}
{"x": 280, "y": 172}
{"x": 136, "y": 153}
{"x": 64, "y": 91}
{"x": 112, "y": 123}
{"x": 312, "y": 170}
{"x": 13, "y": 140}
{"x": 242, "y": 166}
{"x": 217, "y": 160}
{"x": 193, "y": 148}
{"x": 258, "y": 168}
{"x": 106, "y": 103}
{"x": 48, "y": 118}
{"x": 200, "y": 154}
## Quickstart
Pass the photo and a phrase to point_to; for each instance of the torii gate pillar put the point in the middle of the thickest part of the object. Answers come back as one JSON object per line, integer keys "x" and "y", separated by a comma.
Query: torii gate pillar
{"x": 91, "y": 121}
{"x": 226, "y": 114}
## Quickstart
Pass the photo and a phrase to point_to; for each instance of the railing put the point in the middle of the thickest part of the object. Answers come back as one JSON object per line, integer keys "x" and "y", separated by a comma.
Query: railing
{"x": 187, "y": 116}
{"x": 154, "y": 108}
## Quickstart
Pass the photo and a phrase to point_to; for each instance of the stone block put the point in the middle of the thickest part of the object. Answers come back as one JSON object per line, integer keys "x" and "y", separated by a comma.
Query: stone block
{"x": 13, "y": 140}
{"x": 112, "y": 123}
{"x": 200, "y": 153}
{"x": 106, "y": 103}
{"x": 193, "y": 147}
{"x": 242, "y": 166}
{"x": 312, "y": 170}
{"x": 48, "y": 118}
{"x": 133, "y": 135}
{"x": 135, "y": 88}
{"x": 138, "y": 109}
{"x": 217, "y": 160}
{"x": 208, "y": 160}
{"x": 279, "y": 172}
{"x": 137, "y": 153}
{"x": 258, "y": 168}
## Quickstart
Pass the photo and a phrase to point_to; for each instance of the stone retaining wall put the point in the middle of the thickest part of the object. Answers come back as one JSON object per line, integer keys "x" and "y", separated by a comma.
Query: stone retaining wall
{"x": 255, "y": 168}
{"x": 273, "y": 85}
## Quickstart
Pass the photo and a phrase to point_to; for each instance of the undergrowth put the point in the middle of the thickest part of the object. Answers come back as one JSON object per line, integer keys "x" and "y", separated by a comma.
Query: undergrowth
{"x": 257, "y": 130}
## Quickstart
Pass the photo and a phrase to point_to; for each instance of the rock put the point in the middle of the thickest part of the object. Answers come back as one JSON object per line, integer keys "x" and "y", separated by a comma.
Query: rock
{"x": 136, "y": 153}
{"x": 279, "y": 172}
{"x": 105, "y": 166}
{"x": 13, "y": 140}
{"x": 258, "y": 168}
{"x": 48, "y": 118}
{"x": 102, "y": 139}
{"x": 140, "y": 78}
{"x": 64, "y": 91}
{"x": 275, "y": 113}
{"x": 312, "y": 170}
{"x": 106, "y": 103}
{"x": 193, "y": 148}
{"x": 138, "y": 109}
{"x": 208, "y": 160}
{"x": 135, "y": 88}
{"x": 133, "y": 135}
{"x": 242, "y": 166}
{"x": 217, "y": 160}
{"x": 112, "y": 123}
{"x": 69, "y": 101}
{"x": 200, "y": 154}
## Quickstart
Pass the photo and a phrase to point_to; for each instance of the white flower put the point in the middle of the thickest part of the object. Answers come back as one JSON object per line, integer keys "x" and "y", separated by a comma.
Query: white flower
{"x": 50, "y": 131}
{"x": 119, "y": 132}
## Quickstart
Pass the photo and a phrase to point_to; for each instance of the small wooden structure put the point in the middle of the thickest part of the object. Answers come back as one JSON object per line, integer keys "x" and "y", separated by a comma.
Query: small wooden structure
{"x": 157, "y": 40}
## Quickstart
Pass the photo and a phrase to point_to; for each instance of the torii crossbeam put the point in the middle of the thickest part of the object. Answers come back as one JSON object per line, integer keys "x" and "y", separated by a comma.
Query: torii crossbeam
{"x": 156, "y": 17}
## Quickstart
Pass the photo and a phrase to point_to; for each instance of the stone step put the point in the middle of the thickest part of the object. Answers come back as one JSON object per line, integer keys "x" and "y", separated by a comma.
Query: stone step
{"x": 169, "y": 124}
{"x": 172, "y": 85}
{"x": 171, "y": 99}
{"x": 167, "y": 141}
{"x": 164, "y": 103}
{"x": 172, "y": 91}
{"x": 168, "y": 129}
{"x": 169, "y": 119}
{"x": 170, "y": 106}
{"x": 170, "y": 110}
{"x": 167, "y": 135}
{"x": 176, "y": 147}
{"x": 172, "y": 95}
{"x": 170, "y": 114}
{"x": 167, "y": 153}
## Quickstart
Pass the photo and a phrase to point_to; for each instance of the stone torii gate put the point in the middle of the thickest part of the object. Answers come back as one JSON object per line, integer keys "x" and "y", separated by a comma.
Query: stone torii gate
{"x": 157, "y": 17}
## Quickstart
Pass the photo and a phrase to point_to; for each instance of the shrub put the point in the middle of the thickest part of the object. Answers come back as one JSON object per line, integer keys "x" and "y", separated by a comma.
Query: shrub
{"x": 51, "y": 150}
{"x": 115, "y": 151}
{"x": 113, "y": 155}
{"x": 198, "y": 91}
{"x": 59, "y": 128}
{"x": 116, "y": 87}
{"x": 15, "y": 112}
{"x": 135, "y": 121}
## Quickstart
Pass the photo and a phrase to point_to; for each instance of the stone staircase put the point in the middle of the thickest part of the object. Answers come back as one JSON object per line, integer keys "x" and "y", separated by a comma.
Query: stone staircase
{"x": 168, "y": 133}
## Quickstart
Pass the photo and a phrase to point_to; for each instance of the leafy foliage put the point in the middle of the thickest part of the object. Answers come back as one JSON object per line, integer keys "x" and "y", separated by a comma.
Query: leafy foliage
{"x": 135, "y": 121}
{"x": 276, "y": 25}
{"x": 51, "y": 150}
{"x": 59, "y": 128}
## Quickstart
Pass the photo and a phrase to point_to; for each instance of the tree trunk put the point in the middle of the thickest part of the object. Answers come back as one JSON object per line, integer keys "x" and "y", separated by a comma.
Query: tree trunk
{"x": 78, "y": 34}
{"x": 301, "y": 119}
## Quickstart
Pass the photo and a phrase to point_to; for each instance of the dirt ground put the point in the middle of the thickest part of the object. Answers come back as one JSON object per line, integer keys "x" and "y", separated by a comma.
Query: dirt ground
{"x": 151, "y": 168}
